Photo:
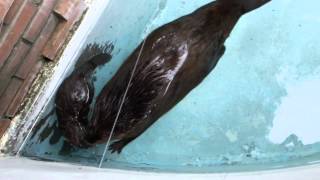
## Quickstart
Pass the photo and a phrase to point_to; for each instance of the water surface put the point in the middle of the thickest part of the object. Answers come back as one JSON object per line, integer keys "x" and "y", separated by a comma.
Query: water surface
{"x": 257, "y": 110}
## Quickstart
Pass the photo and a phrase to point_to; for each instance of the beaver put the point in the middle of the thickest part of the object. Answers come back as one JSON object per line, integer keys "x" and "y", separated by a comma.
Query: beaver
{"x": 163, "y": 69}
{"x": 73, "y": 99}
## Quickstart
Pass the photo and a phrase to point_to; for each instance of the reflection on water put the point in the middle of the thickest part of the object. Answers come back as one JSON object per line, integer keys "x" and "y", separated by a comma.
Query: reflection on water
{"x": 258, "y": 107}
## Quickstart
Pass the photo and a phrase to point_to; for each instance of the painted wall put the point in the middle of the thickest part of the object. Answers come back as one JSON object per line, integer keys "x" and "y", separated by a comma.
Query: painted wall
{"x": 258, "y": 108}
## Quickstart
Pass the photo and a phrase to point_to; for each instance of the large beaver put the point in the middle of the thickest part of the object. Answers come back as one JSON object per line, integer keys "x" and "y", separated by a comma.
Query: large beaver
{"x": 75, "y": 95}
{"x": 171, "y": 61}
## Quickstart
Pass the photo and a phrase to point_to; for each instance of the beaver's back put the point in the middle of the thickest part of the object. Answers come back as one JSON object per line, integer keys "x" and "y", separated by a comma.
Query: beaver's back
{"x": 172, "y": 61}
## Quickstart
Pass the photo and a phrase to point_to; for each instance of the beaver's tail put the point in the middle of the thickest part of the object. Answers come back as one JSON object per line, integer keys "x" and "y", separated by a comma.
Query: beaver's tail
{"x": 90, "y": 65}
{"x": 246, "y": 5}
{"x": 99, "y": 59}
{"x": 95, "y": 55}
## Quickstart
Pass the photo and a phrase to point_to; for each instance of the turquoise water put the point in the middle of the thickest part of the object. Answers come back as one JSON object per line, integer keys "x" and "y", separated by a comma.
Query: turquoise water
{"x": 256, "y": 110}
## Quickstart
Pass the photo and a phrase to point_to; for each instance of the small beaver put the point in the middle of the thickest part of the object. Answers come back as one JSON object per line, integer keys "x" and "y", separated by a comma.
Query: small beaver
{"x": 73, "y": 100}
{"x": 171, "y": 61}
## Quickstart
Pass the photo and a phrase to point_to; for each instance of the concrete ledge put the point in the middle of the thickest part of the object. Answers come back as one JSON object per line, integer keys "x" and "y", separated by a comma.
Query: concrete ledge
{"x": 17, "y": 168}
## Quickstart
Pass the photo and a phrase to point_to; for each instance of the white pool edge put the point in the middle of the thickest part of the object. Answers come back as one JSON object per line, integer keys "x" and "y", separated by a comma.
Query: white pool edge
{"x": 15, "y": 168}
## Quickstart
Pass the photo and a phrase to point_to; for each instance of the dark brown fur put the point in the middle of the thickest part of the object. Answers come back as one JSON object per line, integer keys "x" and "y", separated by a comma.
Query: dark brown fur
{"x": 155, "y": 89}
{"x": 175, "y": 59}
{"x": 76, "y": 92}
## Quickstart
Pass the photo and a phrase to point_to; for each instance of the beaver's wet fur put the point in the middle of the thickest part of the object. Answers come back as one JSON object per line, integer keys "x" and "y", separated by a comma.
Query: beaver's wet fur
{"x": 75, "y": 94}
{"x": 175, "y": 58}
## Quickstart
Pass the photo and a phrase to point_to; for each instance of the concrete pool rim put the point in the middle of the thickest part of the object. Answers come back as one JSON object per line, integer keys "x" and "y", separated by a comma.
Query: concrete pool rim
{"x": 15, "y": 168}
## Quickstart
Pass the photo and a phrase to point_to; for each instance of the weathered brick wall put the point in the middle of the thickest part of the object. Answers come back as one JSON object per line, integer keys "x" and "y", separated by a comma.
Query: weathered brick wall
{"x": 31, "y": 32}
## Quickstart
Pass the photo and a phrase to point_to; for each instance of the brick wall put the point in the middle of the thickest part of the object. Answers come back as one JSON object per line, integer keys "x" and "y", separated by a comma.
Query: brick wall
{"x": 32, "y": 33}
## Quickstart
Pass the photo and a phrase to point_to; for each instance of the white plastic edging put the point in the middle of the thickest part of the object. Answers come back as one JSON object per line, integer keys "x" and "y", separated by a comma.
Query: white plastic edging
{"x": 15, "y": 168}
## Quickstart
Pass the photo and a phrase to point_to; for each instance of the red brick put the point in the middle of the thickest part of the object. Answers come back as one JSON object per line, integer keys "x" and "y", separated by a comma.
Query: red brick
{"x": 4, "y": 8}
{"x": 12, "y": 64}
{"x": 39, "y": 20}
{"x": 11, "y": 38}
{"x": 35, "y": 52}
{"x": 65, "y": 8}
{"x": 9, "y": 94}
{"x": 13, "y": 11}
{"x": 23, "y": 91}
{"x": 4, "y": 125}
{"x": 61, "y": 34}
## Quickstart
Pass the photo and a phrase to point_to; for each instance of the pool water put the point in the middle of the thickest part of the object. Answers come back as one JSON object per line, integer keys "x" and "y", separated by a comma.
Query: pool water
{"x": 258, "y": 109}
